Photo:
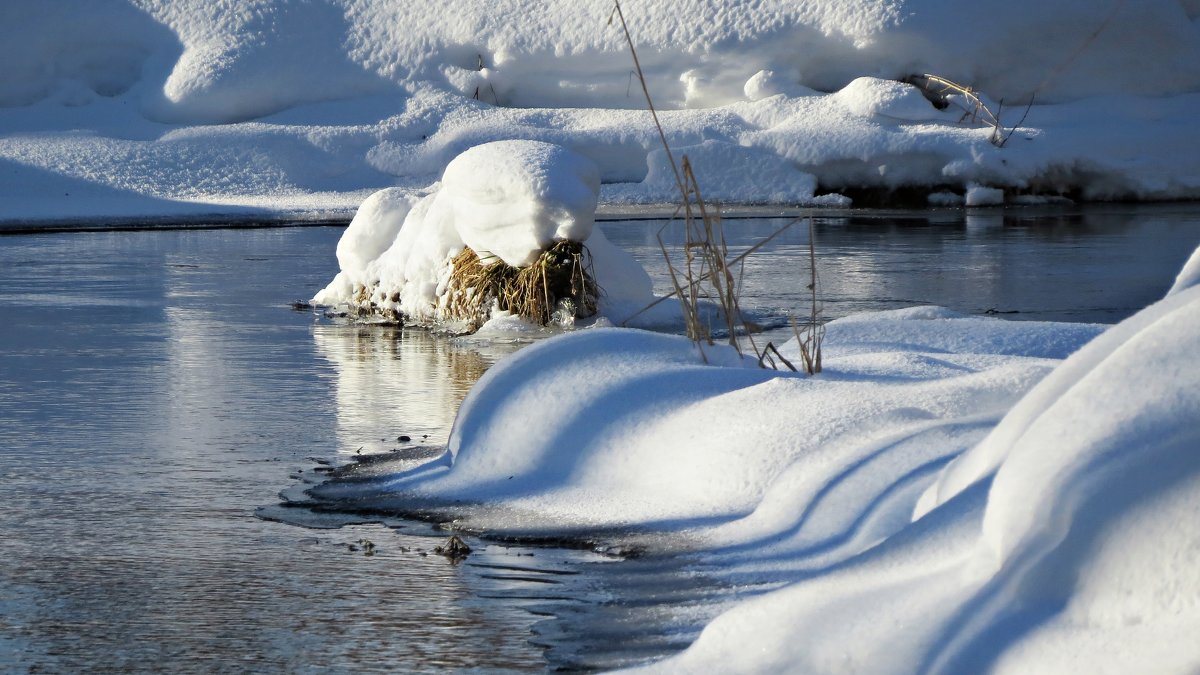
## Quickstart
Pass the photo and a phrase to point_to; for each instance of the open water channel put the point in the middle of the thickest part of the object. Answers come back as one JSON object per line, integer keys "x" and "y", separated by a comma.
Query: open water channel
{"x": 157, "y": 389}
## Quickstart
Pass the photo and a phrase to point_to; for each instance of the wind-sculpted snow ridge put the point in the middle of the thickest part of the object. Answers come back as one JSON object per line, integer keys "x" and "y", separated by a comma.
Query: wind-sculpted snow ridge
{"x": 952, "y": 494}
{"x": 1061, "y": 542}
{"x": 136, "y": 108}
{"x": 632, "y": 429}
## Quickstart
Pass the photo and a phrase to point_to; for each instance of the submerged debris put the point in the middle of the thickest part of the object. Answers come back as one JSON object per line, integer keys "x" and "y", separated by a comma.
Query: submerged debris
{"x": 365, "y": 545}
{"x": 455, "y": 548}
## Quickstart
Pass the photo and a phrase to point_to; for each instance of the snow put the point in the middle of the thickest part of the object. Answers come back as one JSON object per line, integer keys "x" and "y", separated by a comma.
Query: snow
{"x": 506, "y": 200}
{"x": 513, "y": 199}
{"x": 1189, "y": 276}
{"x": 952, "y": 494}
{"x": 272, "y": 109}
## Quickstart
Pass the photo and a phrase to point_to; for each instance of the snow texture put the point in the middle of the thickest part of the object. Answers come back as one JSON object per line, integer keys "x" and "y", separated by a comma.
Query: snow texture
{"x": 271, "y": 108}
{"x": 506, "y": 200}
{"x": 952, "y": 494}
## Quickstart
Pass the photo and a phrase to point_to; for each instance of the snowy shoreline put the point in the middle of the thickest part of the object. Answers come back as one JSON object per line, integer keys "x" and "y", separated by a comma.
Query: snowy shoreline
{"x": 959, "y": 494}
{"x": 605, "y": 213}
{"x": 147, "y": 108}
{"x": 950, "y": 494}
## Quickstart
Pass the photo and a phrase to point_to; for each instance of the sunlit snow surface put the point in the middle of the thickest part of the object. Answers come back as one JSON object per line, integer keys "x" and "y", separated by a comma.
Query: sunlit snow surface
{"x": 951, "y": 494}
{"x": 143, "y": 108}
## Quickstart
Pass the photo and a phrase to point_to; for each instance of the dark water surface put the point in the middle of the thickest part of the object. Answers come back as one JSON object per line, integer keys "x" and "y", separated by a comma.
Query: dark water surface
{"x": 157, "y": 387}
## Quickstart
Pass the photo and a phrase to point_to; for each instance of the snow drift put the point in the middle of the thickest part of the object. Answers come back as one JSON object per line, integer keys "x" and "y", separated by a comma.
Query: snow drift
{"x": 508, "y": 201}
{"x": 952, "y": 494}
{"x": 147, "y": 107}
{"x": 1064, "y": 543}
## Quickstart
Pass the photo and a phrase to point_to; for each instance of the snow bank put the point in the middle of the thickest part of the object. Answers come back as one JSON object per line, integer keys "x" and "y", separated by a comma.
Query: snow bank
{"x": 507, "y": 200}
{"x": 149, "y": 107}
{"x": 952, "y": 494}
{"x": 620, "y": 410}
{"x": 227, "y": 64}
{"x": 1070, "y": 550}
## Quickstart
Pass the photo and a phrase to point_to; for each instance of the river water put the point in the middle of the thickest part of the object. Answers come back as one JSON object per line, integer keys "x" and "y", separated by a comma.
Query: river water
{"x": 157, "y": 388}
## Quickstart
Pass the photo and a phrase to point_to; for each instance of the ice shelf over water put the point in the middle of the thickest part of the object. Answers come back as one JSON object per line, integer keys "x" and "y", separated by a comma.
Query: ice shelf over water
{"x": 270, "y": 108}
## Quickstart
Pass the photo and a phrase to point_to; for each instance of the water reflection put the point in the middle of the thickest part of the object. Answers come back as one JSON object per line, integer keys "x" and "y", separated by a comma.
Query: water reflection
{"x": 155, "y": 389}
{"x": 393, "y": 382}
{"x": 145, "y": 413}
{"x": 1097, "y": 264}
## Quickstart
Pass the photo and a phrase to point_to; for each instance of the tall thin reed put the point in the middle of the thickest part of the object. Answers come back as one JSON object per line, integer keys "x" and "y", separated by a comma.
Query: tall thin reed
{"x": 811, "y": 337}
{"x": 705, "y": 277}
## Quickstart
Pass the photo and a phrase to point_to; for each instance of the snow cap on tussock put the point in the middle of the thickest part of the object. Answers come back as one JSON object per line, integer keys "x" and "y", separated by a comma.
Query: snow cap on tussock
{"x": 506, "y": 199}
{"x": 512, "y": 199}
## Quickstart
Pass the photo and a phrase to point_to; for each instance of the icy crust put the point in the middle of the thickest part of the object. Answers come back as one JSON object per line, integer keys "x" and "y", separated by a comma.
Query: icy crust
{"x": 507, "y": 201}
{"x": 113, "y": 108}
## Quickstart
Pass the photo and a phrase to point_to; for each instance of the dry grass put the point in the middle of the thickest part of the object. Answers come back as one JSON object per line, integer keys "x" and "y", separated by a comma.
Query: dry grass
{"x": 706, "y": 279}
{"x": 560, "y": 280}
{"x": 811, "y": 337}
{"x": 944, "y": 92}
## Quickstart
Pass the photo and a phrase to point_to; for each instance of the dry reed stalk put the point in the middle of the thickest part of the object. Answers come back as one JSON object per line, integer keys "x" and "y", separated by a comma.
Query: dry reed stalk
{"x": 975, "y": 111}
{"x": 810, "y": 339}
{"x": 706, "y": 256}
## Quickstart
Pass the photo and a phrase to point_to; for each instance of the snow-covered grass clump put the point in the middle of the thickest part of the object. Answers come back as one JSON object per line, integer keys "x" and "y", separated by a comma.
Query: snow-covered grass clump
{"x": 952, "y": 494}
{"x": 167, "y": 108}
{"x": 508, "y": 202}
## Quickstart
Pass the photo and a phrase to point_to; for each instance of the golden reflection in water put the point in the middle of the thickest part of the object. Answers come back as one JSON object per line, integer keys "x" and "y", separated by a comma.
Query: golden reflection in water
{"x": 394, "y": 381}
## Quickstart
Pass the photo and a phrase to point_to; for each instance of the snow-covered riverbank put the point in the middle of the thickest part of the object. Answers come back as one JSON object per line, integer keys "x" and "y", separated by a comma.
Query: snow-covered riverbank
{"x": 145, "y": 108}
{"x": 952, "y": 494}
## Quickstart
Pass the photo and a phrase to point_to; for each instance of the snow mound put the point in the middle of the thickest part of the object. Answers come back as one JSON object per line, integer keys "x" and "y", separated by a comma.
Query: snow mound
{"x": 952, "y": 494}
{"x": 1069, "y": 548}
{"x": 618, "y": 410}
{"x": 871, "y": 96}
{"x": 1189, "y": 276}
{"x": 513, "y": 199}
{"x": 221, "y": 65}
{"x": 165, "y": 108}
{"x": 508, "y": 200}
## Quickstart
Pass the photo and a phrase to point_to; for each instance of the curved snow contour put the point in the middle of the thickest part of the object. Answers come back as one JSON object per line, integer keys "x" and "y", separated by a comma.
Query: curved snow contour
{"x": 507, "y": 200}
{"x": 1064, "y": 542}
{"x": 170, "y": 108}
{"x": 511, "y": 200}
{"x": 259, "y": 57}
{"x": 605, "y": 428}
